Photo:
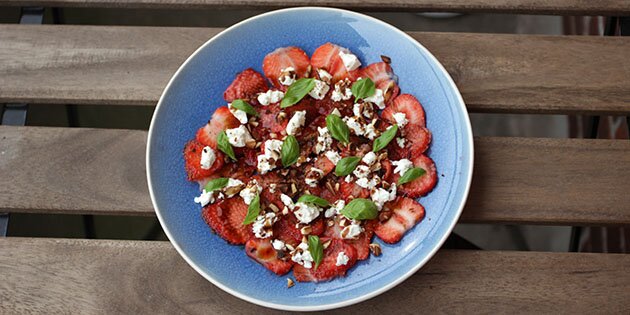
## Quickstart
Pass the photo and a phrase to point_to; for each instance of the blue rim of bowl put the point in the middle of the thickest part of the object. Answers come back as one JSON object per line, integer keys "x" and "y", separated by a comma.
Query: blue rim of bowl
{"x": 349, "y": 302}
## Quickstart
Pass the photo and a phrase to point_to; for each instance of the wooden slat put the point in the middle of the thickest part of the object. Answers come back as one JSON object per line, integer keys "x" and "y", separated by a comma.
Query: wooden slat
{"x": 105, "y": 277}
{"x": 495, "y": 73}
{"x": 516, "y": 180}
{"x": 560, "y": 7}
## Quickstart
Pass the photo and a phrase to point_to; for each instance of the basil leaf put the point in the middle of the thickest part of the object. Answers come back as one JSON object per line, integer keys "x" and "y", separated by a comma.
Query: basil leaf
{"x": 297, "y": 91}
{"x": 385, "y": 138}
{"x": 314, "y": 200}
{"x": 316, "y": 248}
{"x": 216, "y": 184}
{"x": 338, "y": 129}
{"x": 360, "y": 209}
{"x": 290, "y": 151}
{"x": 244, "y": 106}
{"x": 252, "y": 211}
{"x": 224, "y": 145}
{"x": 411, "y": 174}
{"x": 363, "y": 88}
{"x": 347, "y": 165}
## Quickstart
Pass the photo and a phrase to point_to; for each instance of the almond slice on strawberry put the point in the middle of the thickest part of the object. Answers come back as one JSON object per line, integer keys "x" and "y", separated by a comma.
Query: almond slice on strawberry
{"x": 263, "y": 252}
{"x": 221, "y": 119}
{"x": 421, "y": 185}
{"x": 327, "y": 57}
{"x": 277, "y": 61}
{"x": 327, "y": 268}
{"x": 192, "y": 159}
{"x": 405, "y": 213}
{"x": 361, "y": 244}
{"x": 384, "y": 79}
{"x": 226, "y": 219}
{"x": 246, "y": 85}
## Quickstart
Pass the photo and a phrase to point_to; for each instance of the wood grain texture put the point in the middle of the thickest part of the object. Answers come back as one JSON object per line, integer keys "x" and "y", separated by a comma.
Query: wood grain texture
{"x": 495, "y": 73}
{"x": 516, "y": 180}
{"x": 560, "y": 7}
{"x": 44, "y": 276}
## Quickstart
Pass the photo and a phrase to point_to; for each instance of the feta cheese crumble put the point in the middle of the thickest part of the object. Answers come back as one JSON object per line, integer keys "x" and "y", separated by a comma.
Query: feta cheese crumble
{"x": 377, "y": 99}
{"x": 369, "y": 158}
{"x": 262, "y": 226}
{"x": 267, "y": 161}
{"x": 250, "y": 191}
{"x": 270, "y": 97}
{"x": 350, "y": 61}
{"x": 278, "y": 245}
{"x": 239, "y": 114}
{"x": 287, "y": 201}
{"x": 324, "y": 75}
{"x": 302, "y": 256}
{"x": 207, "y": 157}
{"x": 287, "y": 76}
{"x": 401, "y": 142}
{"x": 351, "y": 231}
{"x": 335, "y": 208}
{"x": 296, "y": 122}
{"x": 232, "y": 183}
{"x": 313, "y": 176}
{"x": 333, "y": 156}
{"x": 341, "y": 92}
{"x": 342, "y": 259}
{"x": 380, "y": 196}
{"x": 306, "y": 212}
{"x": 401, "y": 119}
{"x": 320, "y": 90}
{"x": 238, "y": 136}
{"x": 402, "y": 166}
{"x": 361, "y": 171}
{"x": 205, "y": 198}
{"x": 324, "y": 140}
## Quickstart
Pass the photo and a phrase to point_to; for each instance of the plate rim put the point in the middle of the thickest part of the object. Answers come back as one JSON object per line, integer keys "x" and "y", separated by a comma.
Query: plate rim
{"x": 466, "y": 126}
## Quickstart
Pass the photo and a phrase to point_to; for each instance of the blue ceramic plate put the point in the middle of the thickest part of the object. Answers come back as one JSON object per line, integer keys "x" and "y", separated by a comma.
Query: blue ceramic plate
{"x": 197, "y": 89}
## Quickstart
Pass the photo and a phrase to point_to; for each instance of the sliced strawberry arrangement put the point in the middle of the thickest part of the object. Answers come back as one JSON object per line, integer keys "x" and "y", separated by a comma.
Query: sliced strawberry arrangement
{"x": 383, "y": 76}
{"x": 245, "y": 86}
{"x": 262, "y": 252}
{"x": 423, "y": 184}
{"x": 221, "y": 119}
{"x": 327, "y": 268}
{"x": 192, "y": 158}
{"x": 327, "y": 57}
{"x": 226, "y": 219}
{"x": 286, "y": 57}
{"x": 405, "y": 213}
{"x": 360, "y": 244}
{"x": 409, "y": 105}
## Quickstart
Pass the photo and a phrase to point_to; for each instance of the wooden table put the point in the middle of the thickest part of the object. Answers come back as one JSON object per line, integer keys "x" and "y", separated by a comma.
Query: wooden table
{"x": 572, "y": 182}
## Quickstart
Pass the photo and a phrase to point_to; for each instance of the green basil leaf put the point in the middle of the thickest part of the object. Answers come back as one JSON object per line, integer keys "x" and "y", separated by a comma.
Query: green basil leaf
{"x": 297, "y": 91}
{"x": 411, "y": 174}
{"x": 347, "y": 165}
{"x": 386, "y": 137}
{"x": 244, "y": 106}
{"x": 224, "y": 145}
{"x": 338, "y": 129}
{"x": 363, "y": 88}
{"x": 314, "y": 200}
{"x": 360, "y": 209}
{"x": 316, "y": 248}
{"x": 290, "y": 151}
{"x": 216, "y": 184}
{"x": 252, "y": 211}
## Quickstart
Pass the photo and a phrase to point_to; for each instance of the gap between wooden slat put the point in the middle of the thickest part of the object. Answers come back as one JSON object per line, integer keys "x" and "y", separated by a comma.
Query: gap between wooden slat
{"x": 516, "y": 180}
{"x": 550, "y": 7}
{"x": 66, "y": 64}
{"x": 103, "y": 276}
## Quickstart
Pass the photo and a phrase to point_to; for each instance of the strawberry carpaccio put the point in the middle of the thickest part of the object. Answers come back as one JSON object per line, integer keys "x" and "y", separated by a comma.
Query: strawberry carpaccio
{"x": 308, "y": 163}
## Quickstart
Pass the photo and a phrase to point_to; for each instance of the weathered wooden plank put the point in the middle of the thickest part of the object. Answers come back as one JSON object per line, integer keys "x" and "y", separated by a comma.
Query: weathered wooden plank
{"x": 559, "y": 7}
{"x": 495, "y": 73}
{"x": 516, "y": 180}
{"x": 103, "y": 276}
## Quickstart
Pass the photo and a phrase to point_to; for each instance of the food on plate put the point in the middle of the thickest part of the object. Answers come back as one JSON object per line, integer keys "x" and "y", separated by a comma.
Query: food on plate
{"x": 306, "y": 165}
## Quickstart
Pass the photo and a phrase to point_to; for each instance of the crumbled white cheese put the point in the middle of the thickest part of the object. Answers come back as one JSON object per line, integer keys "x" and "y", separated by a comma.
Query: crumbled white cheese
{"x": 369, "y": 158}
{"x": 354, "y": 125}
{"x": 370, "y": 130}
{"x": 348, "y": 178}
{"x": 351, "y": 231}
{"x": 205, "y": 198}
{"x": 401, "y": 119}
{"x": 287, "y": 76}
{"x": 270, "y": 97}
{"x": 272, "y": 187}
{"x": 249, "y": 193}
{"x": 341, "y": 93}
{"x": 335, "y": 208}
{"x": 232, "y": 183}
{"x": 287, "y": 201}
{"x": 350, "y": 61}
{"x": 342, "y": 259}
{"x": 267, "y": 161}
{"x": 333, "y": 156}
{"x": 296, "y": 122}
{"x": 207, "y": 157}
{"x": 306, "y": 212}
{"x": 377, "y": 99}
{"x": 319, "y": 91}
{"x": 324, "y": 140}
{"x": 402, "y": 166}
{"x": 313, "y": 176}
{"x": 380, "y": 196}
{"x": 238, "y": 136}
{"x": 368, "y": 183}
{"x": 356, "y": 109}
{"x": 324, "y": 75}
{"x": 361, "y": 171}
{"x": 278, "y": 245}
{"x": 401, "y": 142}
{"x": 258, "y": 227}
{"x": 302, "y": 256}
{"x": 239, "y": 114}
{"x": 336, "y": 112}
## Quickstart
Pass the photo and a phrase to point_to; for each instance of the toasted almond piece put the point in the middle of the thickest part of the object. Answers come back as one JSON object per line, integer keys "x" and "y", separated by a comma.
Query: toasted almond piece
{"x": 281, "y": 116}
{"x": 254, "y": 123}
{"x": 307, "y": 192}
{"x": 293, "y": 188}
{"x": 304, "y": 239}
{"x": 290, "y": 282}
{"x": 273, "y": 135}
{"x": 329, "y": 186}
{"x": 336, "y": 186}
{"x": 375, "y": 249}
{"x": 290, "y": 247}
{"x": 258, "y": 144}
{"x": 233, "y": 190}
{"x": 306, "y": 230}
{"x": 330, "y": 223}
{"x": 326, "y": 244}
{"x": 251, "y": 143}
{"x": 285, "y": 211}
{"x": 273, "y": 207}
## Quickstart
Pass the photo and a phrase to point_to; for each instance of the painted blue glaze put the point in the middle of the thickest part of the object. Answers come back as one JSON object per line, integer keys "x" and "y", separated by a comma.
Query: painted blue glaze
{"x": 196, "y": 90}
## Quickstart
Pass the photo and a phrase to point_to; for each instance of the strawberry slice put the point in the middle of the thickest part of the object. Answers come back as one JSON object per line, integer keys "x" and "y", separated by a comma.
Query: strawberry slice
{"x": 327, "y": 57}
{"x": 405, "y": 213}
{"x": 384, "y": 79}
{"x": 324, "y": 164}
{"x": 361, "y": 244}
{"x": 327, "y": 268}
{"x": 351, "y": 189}
{"x": 221, "y": 119}
{"x": 245, "y": 86}
{"x": 226, "y": 219}
{"x": 417, "y": 140}
{"x": 421, "y": 185}
{"x": 409, "y": 105}
{"x": 285, "y": 57}
{"x": 263, "y": 252}
{"x": 192, "y": 159}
